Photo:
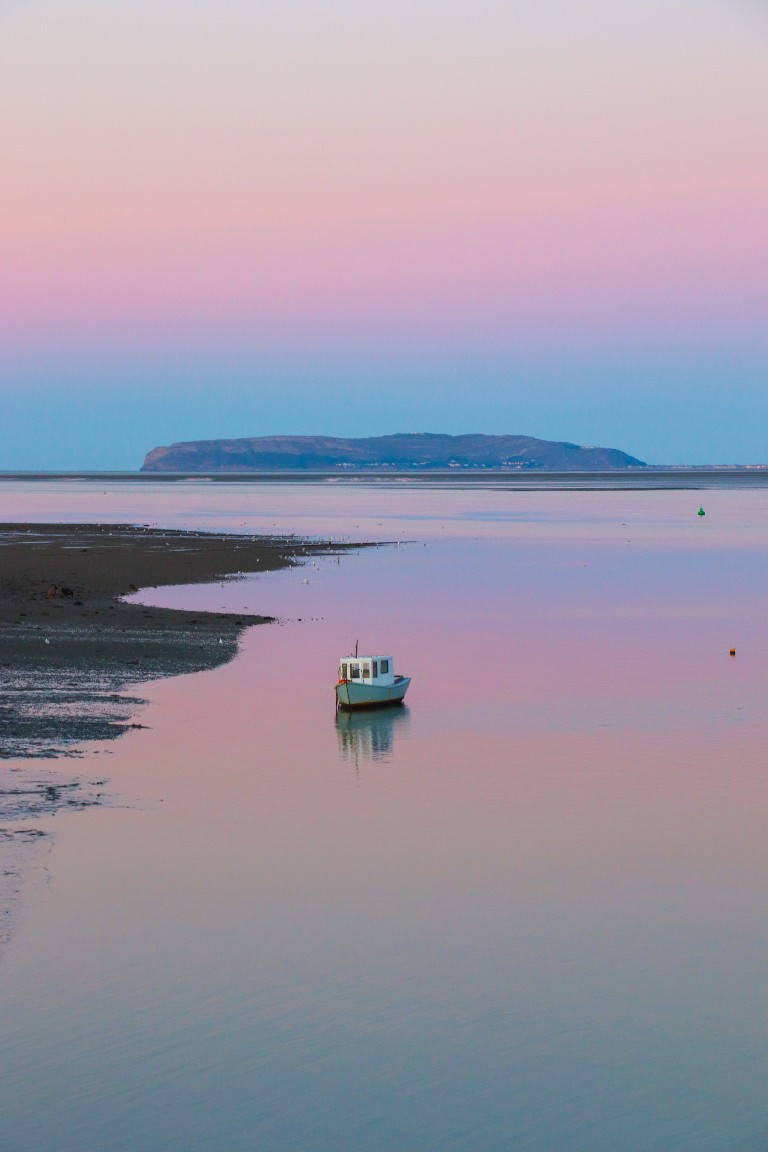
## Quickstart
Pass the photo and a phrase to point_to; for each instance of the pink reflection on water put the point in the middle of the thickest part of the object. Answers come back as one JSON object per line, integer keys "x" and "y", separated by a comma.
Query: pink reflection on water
{"x": 628, "y": 518}
{"x": 548, "y": 871}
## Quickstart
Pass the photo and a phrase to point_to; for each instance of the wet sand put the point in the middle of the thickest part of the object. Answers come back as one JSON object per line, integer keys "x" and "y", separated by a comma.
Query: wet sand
{"x": 72, "y": 651}
{"x": 70, "y": 646}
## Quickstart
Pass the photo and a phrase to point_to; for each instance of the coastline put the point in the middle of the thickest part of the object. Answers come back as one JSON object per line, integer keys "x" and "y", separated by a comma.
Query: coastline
{"x": 70, "y": 646}
{"x": 649, "y": 478}
{"x": 73, "y": 653}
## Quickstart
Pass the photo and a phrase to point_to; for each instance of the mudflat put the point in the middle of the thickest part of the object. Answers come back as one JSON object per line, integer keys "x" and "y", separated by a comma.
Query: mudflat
{"x": 70, "y": 646}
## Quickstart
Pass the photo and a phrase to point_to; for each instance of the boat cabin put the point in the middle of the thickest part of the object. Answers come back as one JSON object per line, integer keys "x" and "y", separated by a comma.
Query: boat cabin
{"x": 373, "y": 670}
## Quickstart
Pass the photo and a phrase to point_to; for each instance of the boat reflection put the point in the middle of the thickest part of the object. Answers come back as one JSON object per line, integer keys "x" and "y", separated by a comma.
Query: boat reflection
{"x": 369, "y": 735}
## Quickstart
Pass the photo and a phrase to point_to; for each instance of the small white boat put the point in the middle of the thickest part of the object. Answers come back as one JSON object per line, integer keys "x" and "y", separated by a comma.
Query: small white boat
{"x": 369, "y": 682}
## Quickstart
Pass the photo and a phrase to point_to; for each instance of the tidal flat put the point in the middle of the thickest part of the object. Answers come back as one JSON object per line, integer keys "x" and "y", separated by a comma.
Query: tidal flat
{"x": 71, "y": 644}
{"x": 74, "y": 653}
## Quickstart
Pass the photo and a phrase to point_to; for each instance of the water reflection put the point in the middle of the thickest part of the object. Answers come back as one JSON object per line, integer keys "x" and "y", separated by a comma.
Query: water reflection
{"x": 547, "y": 893}
{"x": 369, "y": 735}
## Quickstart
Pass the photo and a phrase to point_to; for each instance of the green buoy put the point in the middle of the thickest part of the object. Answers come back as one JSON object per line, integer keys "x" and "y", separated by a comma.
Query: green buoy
{"x": 702, "y": 512}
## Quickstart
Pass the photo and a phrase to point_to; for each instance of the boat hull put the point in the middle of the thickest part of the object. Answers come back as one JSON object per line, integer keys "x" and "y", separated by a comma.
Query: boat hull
{"x": 352, "y": 694}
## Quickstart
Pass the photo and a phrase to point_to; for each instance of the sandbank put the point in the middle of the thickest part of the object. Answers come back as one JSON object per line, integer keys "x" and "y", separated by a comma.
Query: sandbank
{"x": 70, "y": 647}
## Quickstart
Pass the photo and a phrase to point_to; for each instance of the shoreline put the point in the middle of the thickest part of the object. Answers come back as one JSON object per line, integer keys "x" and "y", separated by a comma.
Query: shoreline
{"x": 70, "y": 646}
{"x": 73, "y": 654}
{"x": 651, "y": 477}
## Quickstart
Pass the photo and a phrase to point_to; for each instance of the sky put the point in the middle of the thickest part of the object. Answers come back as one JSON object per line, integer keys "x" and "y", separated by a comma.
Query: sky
{"x": 541, "y": 217}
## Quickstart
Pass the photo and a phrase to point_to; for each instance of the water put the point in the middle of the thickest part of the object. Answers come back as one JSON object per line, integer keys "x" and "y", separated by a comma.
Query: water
{"x": 528, "y": 911}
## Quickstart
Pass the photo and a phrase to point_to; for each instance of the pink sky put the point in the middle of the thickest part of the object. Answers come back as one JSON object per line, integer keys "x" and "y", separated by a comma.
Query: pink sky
{"x": 501, "y": 178}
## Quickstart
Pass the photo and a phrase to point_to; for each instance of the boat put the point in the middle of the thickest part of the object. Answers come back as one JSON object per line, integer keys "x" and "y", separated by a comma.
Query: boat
{"x": 369, "y": 682}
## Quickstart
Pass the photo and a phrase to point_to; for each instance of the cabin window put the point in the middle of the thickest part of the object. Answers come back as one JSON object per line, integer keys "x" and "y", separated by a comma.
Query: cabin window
{"x": 354, "y": 671}
{"x": 375, "y": 669}
{"x": 384, "y": 667}
{"x": 366, "y": 671}
{"x": 344, "y": 672}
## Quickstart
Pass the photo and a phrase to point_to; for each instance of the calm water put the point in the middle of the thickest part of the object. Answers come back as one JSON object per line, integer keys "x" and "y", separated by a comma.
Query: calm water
{"x": 527, "y": 912}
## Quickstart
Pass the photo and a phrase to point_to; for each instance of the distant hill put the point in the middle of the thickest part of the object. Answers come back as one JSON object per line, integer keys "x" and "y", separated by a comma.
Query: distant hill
{"x": 422, "y": 451}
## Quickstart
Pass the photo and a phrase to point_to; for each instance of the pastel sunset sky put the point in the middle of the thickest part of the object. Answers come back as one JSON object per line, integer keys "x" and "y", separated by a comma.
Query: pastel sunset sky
{"x": 546, "y": 217}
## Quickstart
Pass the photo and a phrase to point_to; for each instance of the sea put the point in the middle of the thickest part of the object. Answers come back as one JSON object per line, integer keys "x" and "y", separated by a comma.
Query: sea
{"x": 527, "y": 911}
